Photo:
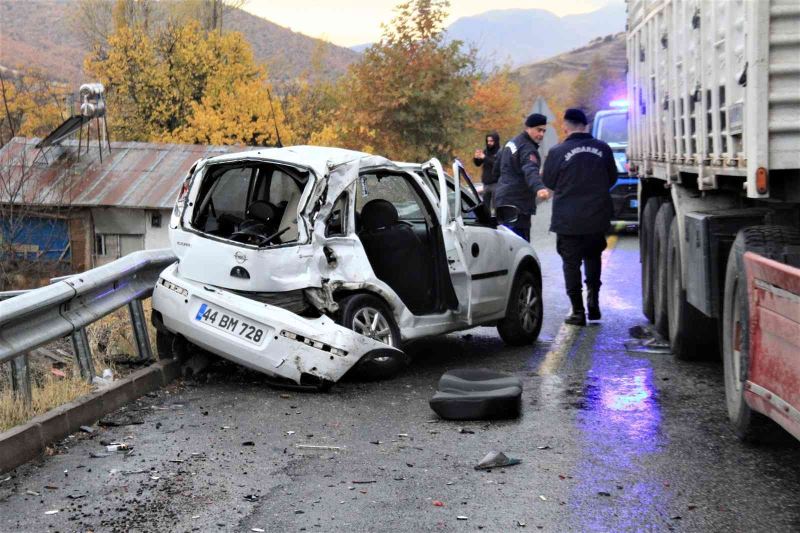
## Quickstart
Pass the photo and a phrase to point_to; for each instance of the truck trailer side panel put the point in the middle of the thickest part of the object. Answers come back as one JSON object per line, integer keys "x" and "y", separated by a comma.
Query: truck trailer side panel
{"x": 714, "y": 89}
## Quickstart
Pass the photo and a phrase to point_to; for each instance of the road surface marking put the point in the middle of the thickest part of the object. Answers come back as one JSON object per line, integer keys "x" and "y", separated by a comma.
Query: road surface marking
{"x": 566, "y": 336}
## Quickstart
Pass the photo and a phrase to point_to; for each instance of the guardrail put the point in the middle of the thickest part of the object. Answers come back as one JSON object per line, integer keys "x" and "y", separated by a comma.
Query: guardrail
{"x": 33, "y": 318}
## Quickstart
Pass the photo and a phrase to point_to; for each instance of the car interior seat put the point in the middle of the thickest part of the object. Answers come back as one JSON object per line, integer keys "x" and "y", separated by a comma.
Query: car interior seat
{"x": 259, "y": 217}
{"x": 289, "y": 218}
{"x": 397, "y": 255}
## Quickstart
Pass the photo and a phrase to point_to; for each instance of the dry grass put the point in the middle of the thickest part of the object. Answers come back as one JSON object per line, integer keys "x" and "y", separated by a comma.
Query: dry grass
{"x": 111, "y": 341}
{"x": 51, "y": 393}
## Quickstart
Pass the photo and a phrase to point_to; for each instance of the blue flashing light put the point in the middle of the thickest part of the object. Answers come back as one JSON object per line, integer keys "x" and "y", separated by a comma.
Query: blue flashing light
{"x": 618, "y": 103}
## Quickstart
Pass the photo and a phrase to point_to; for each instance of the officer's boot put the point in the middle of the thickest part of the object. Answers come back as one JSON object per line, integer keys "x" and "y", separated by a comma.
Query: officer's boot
{"x": 578, "y": 316}
{"x": 593, "y": 303}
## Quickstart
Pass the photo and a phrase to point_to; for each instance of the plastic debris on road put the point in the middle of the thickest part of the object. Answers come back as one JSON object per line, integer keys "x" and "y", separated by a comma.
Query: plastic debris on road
{"x": 495, "y": 459}
{"x": 318, "y": 447}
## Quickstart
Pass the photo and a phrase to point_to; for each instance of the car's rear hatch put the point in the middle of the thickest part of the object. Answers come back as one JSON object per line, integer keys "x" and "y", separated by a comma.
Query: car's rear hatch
{"x": 241, "y": 226}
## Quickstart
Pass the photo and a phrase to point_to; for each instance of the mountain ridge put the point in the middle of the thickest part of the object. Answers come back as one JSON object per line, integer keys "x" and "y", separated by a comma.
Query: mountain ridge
{"x": 37, "y": 33}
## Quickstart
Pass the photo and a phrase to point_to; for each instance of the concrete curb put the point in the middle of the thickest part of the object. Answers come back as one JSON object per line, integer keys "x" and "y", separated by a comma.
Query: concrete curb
{"x": 23, "y": 443}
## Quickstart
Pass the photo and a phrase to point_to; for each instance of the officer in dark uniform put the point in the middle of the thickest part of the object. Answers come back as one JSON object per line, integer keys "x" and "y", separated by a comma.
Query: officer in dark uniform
{"x": 580, "y": 171}
{"x": 520, "y": 184}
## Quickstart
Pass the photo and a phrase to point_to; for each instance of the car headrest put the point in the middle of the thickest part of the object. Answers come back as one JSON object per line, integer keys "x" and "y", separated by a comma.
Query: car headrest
{"x": 378, "y": 214}
{"x": 261, "y": 211}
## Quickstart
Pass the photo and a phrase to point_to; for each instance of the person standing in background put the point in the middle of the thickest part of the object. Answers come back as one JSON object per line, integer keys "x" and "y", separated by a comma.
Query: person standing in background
{"x": 487, "y": 159}
{"x": 580, "y": 171}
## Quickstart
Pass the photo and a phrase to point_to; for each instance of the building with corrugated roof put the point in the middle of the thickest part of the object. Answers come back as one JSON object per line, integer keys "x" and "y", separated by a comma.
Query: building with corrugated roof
{"x": 95, "y": 207}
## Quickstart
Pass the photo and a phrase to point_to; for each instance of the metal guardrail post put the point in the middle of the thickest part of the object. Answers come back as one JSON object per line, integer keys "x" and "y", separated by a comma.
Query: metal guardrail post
{"x": 140, "y": 330}
{"x": 21, "y": 379}
{"x": 83, "y": 353}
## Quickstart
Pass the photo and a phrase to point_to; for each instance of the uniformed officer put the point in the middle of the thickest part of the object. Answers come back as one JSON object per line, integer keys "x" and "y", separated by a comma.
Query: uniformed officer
{"x": 520, "y": 183}
{"x": 580, "y": 171}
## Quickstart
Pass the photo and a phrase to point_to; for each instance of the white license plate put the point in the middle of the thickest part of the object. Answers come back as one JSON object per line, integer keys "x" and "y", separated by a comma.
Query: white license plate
{"x": 236, "y": 326}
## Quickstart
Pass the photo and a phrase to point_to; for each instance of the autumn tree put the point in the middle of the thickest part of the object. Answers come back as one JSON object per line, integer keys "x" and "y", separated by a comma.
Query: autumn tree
{"x": 184, "y": 84}
{"x": 494, "y": 105}
{"x": 406, "y": 97}
{"x": 30, "y": 105}
{"x": 95, "y": 20}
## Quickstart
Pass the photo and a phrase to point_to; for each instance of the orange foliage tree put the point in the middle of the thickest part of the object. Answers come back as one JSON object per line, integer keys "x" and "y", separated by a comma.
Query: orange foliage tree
{"x": 494, "y": 105}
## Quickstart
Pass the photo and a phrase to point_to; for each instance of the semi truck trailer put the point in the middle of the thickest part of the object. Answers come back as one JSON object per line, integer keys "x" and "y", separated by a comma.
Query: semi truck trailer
{"x": 714, "y": 141}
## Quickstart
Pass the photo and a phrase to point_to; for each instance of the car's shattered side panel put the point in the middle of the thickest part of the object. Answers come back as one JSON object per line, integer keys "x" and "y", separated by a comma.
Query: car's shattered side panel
{"x": 291, "y": 346}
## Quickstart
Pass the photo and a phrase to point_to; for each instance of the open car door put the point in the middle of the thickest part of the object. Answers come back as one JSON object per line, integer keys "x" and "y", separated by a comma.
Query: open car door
{"x": 453, "y": 236}
{"x": 486, "y": 256}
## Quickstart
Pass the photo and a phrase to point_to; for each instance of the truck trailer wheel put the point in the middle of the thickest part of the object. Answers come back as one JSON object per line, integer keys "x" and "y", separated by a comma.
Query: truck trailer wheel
{"x": 646, "y": 237}
{"x": 770, "y": 242}
{"x": 692, "y": 335}
{"x": 666, "y": 213}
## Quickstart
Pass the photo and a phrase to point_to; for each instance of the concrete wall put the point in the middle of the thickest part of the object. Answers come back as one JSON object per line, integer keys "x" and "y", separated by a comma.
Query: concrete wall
{"x": 125, "y": 230}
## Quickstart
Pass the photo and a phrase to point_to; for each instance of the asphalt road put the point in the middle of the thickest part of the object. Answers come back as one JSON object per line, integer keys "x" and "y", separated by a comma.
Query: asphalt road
{"x": 611, "y": 439}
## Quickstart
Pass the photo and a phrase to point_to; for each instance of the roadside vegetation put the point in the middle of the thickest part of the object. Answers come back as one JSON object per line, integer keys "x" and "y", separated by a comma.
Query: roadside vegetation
{"x": 55, "y": 379}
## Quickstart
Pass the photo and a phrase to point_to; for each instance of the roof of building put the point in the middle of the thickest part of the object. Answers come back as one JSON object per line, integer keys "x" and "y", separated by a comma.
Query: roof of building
{"x": 132, "y": 174}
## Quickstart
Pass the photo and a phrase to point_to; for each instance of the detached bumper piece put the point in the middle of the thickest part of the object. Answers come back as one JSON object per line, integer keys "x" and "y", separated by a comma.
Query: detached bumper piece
{"x": 477, "y": 394}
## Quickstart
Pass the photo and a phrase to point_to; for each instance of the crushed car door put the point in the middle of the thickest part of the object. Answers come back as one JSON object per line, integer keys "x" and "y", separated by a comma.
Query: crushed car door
{"x": 485, "y": 253}
{"x": 452, "y": 233}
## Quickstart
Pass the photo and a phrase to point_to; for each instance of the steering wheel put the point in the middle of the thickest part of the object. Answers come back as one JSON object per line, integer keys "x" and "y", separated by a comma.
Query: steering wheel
{"x": 250, "y": 235}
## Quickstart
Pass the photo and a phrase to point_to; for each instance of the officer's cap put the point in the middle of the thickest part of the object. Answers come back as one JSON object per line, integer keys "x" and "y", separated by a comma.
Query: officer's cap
{"x": 575, "y": 115}
{"x": 535, "y": 119}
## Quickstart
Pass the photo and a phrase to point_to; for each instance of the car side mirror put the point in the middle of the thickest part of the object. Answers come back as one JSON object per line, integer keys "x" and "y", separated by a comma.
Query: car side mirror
{"x": 506, "y": 214}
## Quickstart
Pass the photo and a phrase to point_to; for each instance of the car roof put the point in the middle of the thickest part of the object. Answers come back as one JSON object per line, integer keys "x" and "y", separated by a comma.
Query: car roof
{"x": 317, "y": 158}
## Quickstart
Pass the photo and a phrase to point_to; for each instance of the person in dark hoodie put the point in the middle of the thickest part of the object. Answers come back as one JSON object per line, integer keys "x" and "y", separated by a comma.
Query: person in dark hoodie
{"x": 580, "y": 171}
{"x": 520, "y": 184}
{"x": 487, "y": 159}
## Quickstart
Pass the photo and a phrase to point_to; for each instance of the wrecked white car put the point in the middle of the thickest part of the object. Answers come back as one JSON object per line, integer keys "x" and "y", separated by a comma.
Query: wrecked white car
{"x": 307, "y": 262}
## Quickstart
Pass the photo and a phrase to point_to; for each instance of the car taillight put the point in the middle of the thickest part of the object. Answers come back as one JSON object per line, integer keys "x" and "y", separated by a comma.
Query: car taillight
{"x": 184, "y": 191}
{"x": 180, "y": 203}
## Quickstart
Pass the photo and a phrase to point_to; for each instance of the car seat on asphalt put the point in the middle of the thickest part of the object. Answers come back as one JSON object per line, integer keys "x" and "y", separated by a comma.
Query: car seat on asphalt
{"x": 477, "y": 394}
{"x": 396, "y": 254}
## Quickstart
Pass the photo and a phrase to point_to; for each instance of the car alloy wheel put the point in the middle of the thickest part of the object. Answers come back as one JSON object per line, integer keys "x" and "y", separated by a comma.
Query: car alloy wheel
{"x": 371, "y": 323}
{"x": 527, "y": 307}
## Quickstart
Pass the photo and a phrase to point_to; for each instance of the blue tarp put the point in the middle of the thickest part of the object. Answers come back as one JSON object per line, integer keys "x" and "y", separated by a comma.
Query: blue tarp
{"x": 34, "y": 238}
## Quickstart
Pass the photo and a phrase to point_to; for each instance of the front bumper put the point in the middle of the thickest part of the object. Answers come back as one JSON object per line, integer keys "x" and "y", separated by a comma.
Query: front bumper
{"x": 288, "y": 346}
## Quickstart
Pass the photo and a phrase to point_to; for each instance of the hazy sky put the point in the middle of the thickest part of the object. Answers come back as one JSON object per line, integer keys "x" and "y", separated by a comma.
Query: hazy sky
{"x": 351, "y": 22}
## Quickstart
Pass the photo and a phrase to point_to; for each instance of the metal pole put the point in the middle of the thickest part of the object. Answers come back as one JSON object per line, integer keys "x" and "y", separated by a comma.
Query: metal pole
{"x": 99, "y": 140}
{"x": 108, "y": 138}
{"x": 21, "y": 379}
{"x": 83, "y": 353}
{"x": 140, "y": 330}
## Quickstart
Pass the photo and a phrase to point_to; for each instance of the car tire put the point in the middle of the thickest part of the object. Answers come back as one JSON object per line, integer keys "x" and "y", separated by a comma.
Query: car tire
{"x": 170, "y": 346}
{"x": 666, "y": 213}
{"x": 692, "y": 335}
{"x": 646, "y": 236}
{"x": 524, "y": 312}
{"x": 359, "y": 312}
{"x": 770, "y": 242}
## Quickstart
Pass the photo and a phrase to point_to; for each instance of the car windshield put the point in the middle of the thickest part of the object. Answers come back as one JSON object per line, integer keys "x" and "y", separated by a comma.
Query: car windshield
{"x": 613, "y": 128}
{"x": 249, "y": 202}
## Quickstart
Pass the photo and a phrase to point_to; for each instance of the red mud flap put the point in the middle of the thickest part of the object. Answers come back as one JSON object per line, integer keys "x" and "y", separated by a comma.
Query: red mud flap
{"x": 773, "y": 387}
